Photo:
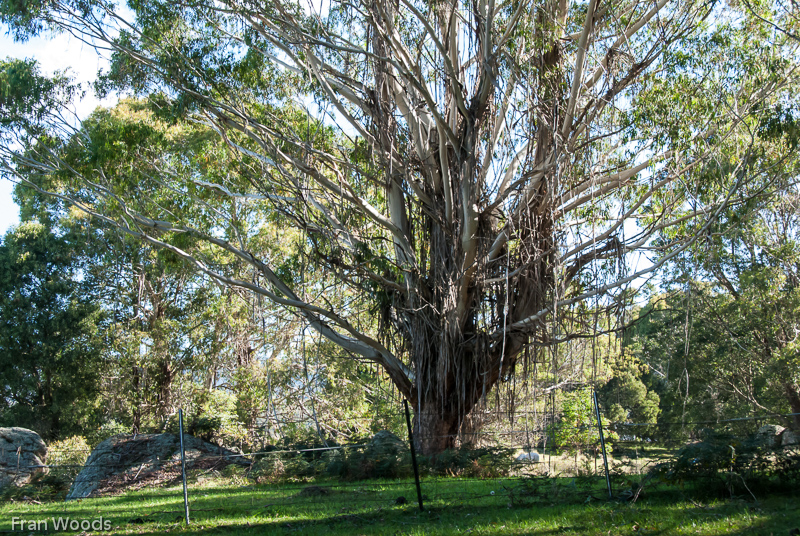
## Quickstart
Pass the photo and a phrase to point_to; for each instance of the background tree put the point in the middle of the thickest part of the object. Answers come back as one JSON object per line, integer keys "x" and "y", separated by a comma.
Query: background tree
{"x": 627, "y": 399}
{"x": 242, "y": 370}
{"x": 723, "y": 342}
{"x": 725, "y": 348}
{"x": 50, "y": 351}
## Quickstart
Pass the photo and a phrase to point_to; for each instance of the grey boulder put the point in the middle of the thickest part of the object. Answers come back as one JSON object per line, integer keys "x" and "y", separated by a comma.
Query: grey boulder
{"x": 129, "y": 462}
{"x": 790, "y": 438}
{"x": 22, "y": 452}
{"x": 528, "y": 457}
{"x": 386, "y": 441}
{"x": 769, "y": 435}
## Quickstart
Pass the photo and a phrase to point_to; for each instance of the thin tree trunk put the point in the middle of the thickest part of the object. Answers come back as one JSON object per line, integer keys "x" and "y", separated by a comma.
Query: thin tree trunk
{"x": 793, "y": 394}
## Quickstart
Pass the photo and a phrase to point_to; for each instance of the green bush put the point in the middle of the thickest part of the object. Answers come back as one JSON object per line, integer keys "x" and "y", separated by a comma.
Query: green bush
{"x": 577, "y": 428}
{"x": 66, "y": 459}
{"x": 787, "y": 467}
{"x": 377, "y": 461}
{"x": 396, "y": 463}
{"x": 49, "y": 487}
{"x": 467, "y": 461}
{"x": 369, "y": 462}
{"x": 236, "y": 474}
{"x": 68, "y": 456}
{"x": 109, "y": 428}
{"x": 724, "y": 464}
{"x": 213, "y": 418}
{"x": 284, "y": 467}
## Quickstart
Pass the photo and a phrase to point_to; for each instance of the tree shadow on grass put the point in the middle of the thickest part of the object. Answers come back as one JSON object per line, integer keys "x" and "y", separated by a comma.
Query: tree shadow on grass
{"x": 372, "y": 508}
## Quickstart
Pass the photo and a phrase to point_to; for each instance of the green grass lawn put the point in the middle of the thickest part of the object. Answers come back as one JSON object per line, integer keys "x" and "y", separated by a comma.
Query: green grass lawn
{"x": 453, "y": 506}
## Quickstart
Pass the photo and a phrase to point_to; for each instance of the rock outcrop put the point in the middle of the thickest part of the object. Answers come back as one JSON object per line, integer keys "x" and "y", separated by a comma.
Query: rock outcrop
{"x": 790, "y": 438}
{"x": 385, "y": 441}
{"x": 20, "y": 449}
{"x": 528, "y": 457}
{"x": 769, "y": 435}
{"x": 126, "y": 462}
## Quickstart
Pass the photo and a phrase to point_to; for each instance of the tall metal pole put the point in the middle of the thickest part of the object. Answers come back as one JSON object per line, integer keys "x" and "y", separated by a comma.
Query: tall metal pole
{"x": 413, "y": 455}
{"x": 183, "y": 466}
{"x": 602, "y": 444}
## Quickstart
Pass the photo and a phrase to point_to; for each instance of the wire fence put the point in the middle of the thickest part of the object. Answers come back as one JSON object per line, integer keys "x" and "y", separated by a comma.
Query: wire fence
{"x": 549, "y": 461}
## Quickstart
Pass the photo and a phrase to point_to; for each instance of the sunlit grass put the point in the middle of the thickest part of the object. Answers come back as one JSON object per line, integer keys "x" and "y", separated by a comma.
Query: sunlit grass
{"x": 452, "y": 506}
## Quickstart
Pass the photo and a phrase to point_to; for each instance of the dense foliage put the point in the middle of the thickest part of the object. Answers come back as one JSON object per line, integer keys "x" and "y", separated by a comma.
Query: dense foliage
{"x": 50, "y": 348}
{"x": 309, "y": 213}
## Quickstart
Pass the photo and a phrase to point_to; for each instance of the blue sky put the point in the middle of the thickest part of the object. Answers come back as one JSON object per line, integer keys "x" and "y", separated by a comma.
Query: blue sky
{"x": 53, "y": 54}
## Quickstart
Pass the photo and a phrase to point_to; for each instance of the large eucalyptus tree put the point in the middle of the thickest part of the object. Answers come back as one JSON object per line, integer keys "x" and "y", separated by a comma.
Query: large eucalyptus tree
{"x": 469, "y": 172}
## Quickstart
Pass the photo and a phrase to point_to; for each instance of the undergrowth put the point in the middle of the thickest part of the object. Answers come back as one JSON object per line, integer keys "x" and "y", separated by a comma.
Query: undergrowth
{"x": 722, "y": 465}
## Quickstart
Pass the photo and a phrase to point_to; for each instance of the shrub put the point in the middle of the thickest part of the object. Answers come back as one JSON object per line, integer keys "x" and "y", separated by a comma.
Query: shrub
{"x": 47, "y": 487}
{"x": 370, "y": 462}
{"x": 214, "y": 419}
{"x": 282, "y": 467}
{"x": 70, "y": 454}
{"x": 108, "y": 429}
{"x": 577, "y": 428}
{"x": 787, "y": 467}
{"x": 68, "y": 457}
{"x": 235, "y": 474}
{"x": 722, "y": 463}
{"x": 471, "y": 462}
{"x": 379, "y": 461}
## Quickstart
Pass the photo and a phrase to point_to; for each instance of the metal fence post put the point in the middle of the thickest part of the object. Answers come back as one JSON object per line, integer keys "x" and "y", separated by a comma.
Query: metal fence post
{"x": 413, "y": 455}
{"x": 602, "y": 443}
{"x": 183, "y": 466}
